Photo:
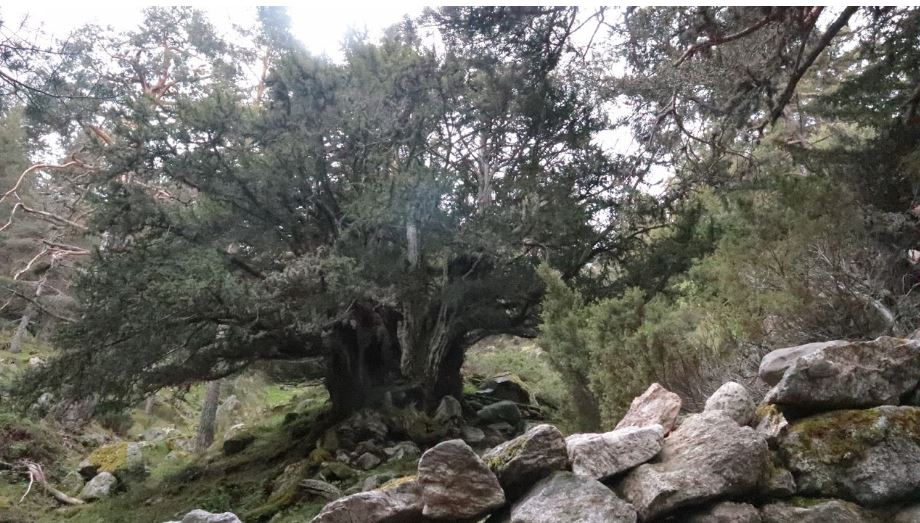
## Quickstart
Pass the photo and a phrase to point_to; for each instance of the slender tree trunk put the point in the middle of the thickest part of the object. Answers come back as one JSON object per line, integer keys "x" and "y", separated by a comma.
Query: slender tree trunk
{"x": 149, "y": 404}
{"x": 21, "y": 330}
{"x": 205, "y": 435}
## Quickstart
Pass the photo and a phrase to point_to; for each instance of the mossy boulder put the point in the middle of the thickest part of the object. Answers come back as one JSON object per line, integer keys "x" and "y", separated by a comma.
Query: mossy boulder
{"x": 530, "y": 457}
{"x": 123, "y": 459}
{"x": 871, "y": 456}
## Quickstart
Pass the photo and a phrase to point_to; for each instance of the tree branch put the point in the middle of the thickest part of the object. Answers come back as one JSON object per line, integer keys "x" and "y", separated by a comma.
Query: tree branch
{"x": 822, "y": 44}
{"x": 718, "y": 40}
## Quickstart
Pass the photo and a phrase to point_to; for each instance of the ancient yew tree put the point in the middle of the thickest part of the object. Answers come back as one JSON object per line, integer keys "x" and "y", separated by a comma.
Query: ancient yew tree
{"x": 379, "y": 214}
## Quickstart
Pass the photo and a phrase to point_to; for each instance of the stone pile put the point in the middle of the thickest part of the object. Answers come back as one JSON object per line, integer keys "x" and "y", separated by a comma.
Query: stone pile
{"x": 837, "y": 439}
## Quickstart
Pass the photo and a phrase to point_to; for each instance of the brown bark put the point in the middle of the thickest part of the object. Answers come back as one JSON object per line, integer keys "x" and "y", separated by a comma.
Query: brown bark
{"x": 205, "y": 436}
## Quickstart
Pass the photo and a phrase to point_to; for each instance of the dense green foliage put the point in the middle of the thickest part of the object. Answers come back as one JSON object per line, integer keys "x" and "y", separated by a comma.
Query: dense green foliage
{"x": 381, "y": 213}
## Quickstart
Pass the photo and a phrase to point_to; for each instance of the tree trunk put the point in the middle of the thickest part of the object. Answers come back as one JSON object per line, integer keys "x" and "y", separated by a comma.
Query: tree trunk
{"x": 205, "y": 436}
{"x": 149, "y": 404}
{"x": 21, "y": 330}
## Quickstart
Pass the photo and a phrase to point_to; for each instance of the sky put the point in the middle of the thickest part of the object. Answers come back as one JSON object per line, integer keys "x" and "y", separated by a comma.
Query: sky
{"x": 321, "y": 26}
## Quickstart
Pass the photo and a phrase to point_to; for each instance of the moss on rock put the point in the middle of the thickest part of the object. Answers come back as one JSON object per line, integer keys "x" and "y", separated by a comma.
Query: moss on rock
{"x": 863, "y": 455}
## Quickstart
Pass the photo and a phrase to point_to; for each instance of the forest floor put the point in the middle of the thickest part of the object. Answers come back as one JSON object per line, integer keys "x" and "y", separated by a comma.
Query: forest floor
{"x": 178, "y": 480}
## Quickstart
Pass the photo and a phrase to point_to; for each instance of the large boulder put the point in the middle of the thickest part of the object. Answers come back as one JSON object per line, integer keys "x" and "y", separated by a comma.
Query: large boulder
{"x": 708, "y": 457}
{"x": 502, "y": 411}
{"x": 507, "y": 387}
{"x": 399, "y": 501}
{"x": 853, "y": 375}
{"x": 456, "y": 484}
{"x": 123, "y": 459}
{"x": 599, "y": 456}
{"x": 656, "y": 406}
{"x": 564, "y": 496}
{"x": 817, "y": 511}
{"x": 725, "y": 512}
{"x": 522, "y": 461}
{"x": 203, "y": 516}
{"x": 775, "y": 363}
{"x": 734, "y": 400}
{"x": 101, "y": 486}
{"x": 871, "y": 456}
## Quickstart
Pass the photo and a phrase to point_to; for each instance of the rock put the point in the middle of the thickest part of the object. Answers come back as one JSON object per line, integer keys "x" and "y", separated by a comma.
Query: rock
{"x": 854, "y": 375}
{"x": 397, "y": 502}
{"x": 157, "y": 434}
{"x": 523, "y": 461}
{"x": 599, "y": 456}
{"x": 656, "y": 406}
{"x": 336, "y": 471}
{"x": 449, "y": 411}
{"x": 35, "y": 361}
{"x": 87, "y": 469}
{"x": 456, "y": 484}
{"x": 402, "y": 451}
{"x": 124, "y": 460}
{"x": 368, "y": 446}
{"x": 564, "y": 497}
{"x": 726, "y": 512}
{"x": 376, "y": 480}
{"x": 361, "y": 426}
{"x": 237, "y": 444}
{"x": 503, "y": 411}
{"x": 775, "y": 363}
{"x": 871, "y": 456}
{"x": 909, "y": 514}
{"x": 775, "y": 480}
{"x": 707, "y": 457}
{"x": 367, "y": 461}
{"x": 320, "y": 489}
{"x": 472, "y": 435}
{"x": 99, "y": 487}
{"x": 770, "y": 422}
{"x": 72, "y": 483}
{"x": 203, "y": 516}
{"x": 507, "y": 387}
{"x": 734, "y": 400}
{"x": 228, "y": 413}
{"x": 816, "y": 511}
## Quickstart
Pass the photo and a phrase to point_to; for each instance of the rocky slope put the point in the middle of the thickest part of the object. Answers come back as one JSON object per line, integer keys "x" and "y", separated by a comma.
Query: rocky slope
{"x": 837, "y": 438}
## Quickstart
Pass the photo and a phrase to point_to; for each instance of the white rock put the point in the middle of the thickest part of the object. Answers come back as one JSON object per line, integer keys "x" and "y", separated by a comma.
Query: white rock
{"x": 599, "y": 456}
{"x": 734, "y": 400}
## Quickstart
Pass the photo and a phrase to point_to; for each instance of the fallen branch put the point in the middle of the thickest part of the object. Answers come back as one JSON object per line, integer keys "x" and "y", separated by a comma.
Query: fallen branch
{"x": 37, "y": 474}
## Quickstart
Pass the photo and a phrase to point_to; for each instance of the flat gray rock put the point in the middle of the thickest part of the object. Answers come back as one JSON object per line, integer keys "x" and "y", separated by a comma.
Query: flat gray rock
{"x": 832, "y": 511}
{"x": 398, "y": 502}
{"x": 726, "y": 512}
{"x": 565, "y": 497}
{"x": 775, "y": 363}
{"x": 852, "y": 375}
{"x": 599, "y": 456}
